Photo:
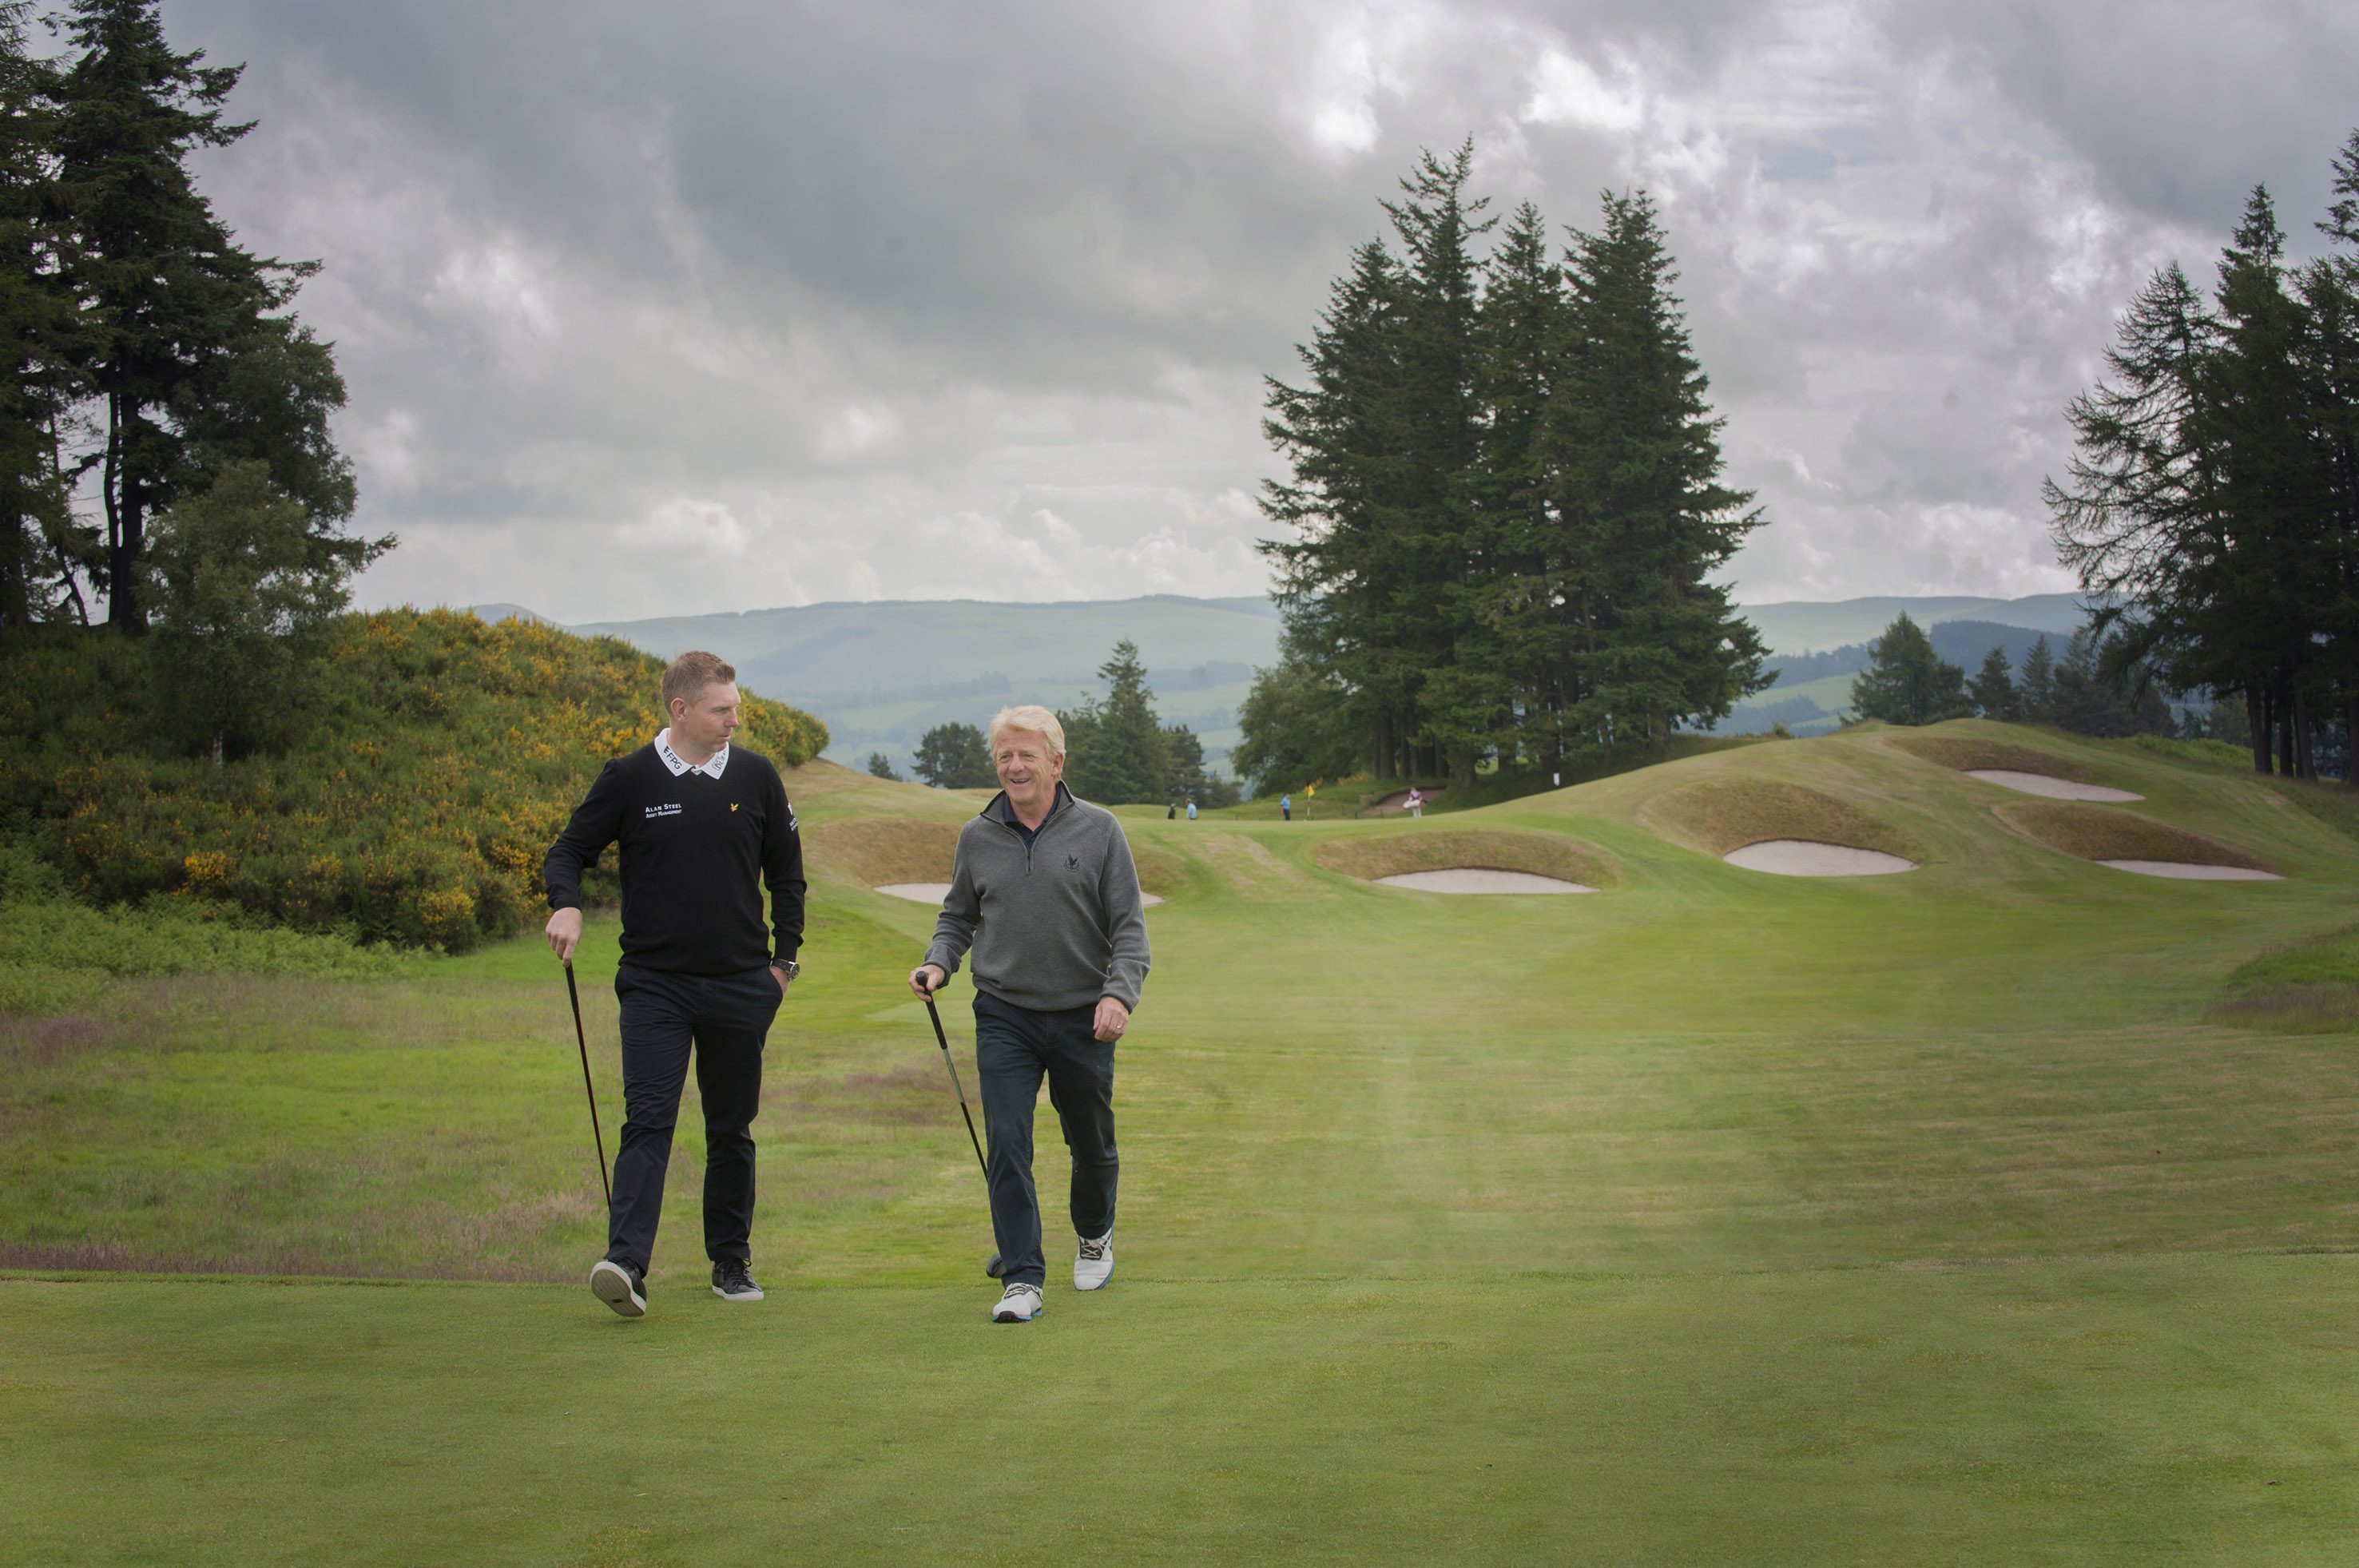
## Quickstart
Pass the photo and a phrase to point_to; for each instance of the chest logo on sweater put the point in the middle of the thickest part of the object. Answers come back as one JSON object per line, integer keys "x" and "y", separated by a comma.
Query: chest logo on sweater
{"x": 672, "y": 810}
{"x": 732, "y": 805}
{"x": 1072, "y": 863}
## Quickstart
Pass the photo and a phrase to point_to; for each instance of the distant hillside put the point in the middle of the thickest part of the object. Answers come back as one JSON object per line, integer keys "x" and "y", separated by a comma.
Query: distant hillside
{"x": 881, "y": 674}
{"x": 441, "y": 760}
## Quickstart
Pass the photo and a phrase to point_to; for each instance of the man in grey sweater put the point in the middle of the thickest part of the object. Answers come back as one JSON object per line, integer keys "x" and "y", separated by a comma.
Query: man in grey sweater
{"x": 1045, "y": 894}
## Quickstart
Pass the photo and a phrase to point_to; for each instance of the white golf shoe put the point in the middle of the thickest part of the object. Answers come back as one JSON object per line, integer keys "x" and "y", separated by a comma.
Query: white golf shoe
{"x": 1093, "y": 1262}
{"x": 1017, "y": 1303}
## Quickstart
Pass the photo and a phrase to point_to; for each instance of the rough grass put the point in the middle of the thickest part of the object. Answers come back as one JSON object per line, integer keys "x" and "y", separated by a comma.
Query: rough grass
{"x": 1395, "y": 853}
{"x": 2090, "y": 831}
{"x": 878, "y": 851}
{"x": 2308, "y": 987}
{"x": 1718, "y": 815}
{"x": 1966, "y": 754}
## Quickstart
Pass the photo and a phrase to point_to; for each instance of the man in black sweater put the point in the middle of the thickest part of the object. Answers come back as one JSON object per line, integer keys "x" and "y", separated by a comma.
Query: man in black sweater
{"x": 702, "y": 826}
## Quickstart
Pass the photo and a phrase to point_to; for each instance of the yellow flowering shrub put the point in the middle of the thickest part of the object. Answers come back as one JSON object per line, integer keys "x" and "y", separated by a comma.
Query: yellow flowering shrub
{"x": 443, "y": 759}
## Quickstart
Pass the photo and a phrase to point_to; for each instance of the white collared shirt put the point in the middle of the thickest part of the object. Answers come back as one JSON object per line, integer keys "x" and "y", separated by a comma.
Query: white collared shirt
{"x": 711, "y": 767}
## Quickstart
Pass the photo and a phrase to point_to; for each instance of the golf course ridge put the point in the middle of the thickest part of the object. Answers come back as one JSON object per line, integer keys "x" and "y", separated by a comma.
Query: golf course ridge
{"x": 1374, "y": 857}
{"x": 2126, "y": 840}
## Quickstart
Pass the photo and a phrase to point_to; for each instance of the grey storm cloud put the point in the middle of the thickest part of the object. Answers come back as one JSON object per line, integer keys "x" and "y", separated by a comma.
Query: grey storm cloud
{"x": 736, "y": 305}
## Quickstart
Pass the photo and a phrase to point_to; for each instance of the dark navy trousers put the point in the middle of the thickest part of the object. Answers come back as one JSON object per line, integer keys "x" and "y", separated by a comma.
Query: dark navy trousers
{"x": 725, "y": 1017}
{"x": 1013, "y": 1047}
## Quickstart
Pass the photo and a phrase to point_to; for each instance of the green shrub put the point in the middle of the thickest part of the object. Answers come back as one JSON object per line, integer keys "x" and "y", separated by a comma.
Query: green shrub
{"x": 414, "y": 807}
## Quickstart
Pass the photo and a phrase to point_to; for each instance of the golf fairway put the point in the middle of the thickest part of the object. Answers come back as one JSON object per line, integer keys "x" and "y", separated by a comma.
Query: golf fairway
{"x": 1718, "y": 1218}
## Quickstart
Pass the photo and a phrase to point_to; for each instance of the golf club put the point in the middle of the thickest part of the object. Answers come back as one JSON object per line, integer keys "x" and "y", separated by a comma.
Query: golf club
{"x": 573, "y": 994}
{"x": 991, "y": 1268}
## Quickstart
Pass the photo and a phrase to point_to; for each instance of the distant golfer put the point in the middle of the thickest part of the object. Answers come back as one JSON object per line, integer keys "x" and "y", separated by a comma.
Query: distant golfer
{"x": 1286, "y": 808}
{"x": 703, "y": 826}
{"x": 1044, "y": 891}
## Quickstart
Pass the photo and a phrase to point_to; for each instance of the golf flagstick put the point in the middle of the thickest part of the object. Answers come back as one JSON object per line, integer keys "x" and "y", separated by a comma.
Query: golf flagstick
{"x": 943, "y": 1039}
{"x": 573, "y": 994}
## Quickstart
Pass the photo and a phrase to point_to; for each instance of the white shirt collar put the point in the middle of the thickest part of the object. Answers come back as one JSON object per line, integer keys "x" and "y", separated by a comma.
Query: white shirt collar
{"x": 671, "y": 759}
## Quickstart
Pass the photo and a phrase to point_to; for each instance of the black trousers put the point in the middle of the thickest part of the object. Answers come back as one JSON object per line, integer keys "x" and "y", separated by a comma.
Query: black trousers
{"x": 725, "y": 1017}
{"x": 1013, "y": 1047}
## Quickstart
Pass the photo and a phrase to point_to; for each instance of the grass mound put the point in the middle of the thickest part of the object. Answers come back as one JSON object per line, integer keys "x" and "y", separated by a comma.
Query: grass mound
{"x": 2107, "y": 832}
{"x": 1723, "y": 815}
{"x": 1395, "y": 854}
{"x": 1966, "y": 754}
{"x": 876, "y": 852}
{"x": 2311, "y": 987}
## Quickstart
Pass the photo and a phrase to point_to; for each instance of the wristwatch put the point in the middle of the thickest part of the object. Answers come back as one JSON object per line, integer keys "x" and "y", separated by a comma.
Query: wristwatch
{"x": 788, "y": 967}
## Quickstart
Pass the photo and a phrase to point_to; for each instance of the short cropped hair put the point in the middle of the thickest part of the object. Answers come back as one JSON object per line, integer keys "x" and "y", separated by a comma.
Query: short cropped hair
{"x": 690, "y": 673}
{"x": 1029, "y": 717}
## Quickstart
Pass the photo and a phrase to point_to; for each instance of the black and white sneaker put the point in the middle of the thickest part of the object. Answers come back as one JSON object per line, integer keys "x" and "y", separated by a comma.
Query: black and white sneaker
{"x": 732, "y": 1280}
{"x": 620, "y": 1287}
{"x": 1018, "y": 1303}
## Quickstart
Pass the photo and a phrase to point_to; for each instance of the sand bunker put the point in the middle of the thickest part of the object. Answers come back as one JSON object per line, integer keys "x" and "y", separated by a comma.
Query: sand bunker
{"x": 2188, "y": 871}
{"x": 1403, "y": 849}
{"x": 935, "y": 892}
{"x": 2047, "y": 784}
{"x": 1481, "y": 879}
{"x": 1801, "y": 857}
{"x": 2107, "y": 835}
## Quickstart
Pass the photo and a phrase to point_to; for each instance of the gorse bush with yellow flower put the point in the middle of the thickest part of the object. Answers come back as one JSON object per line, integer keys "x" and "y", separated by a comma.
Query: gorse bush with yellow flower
{"x": 420, "y": 778}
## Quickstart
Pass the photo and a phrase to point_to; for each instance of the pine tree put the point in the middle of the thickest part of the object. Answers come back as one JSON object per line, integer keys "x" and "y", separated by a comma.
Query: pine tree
{"x": 1116, "y": 753}
{"x": 1634, "y": 453}
{"x": 955, "y": 756}
{"x": 1905, "y": 682}
{"x": 41, "y": 549}
{"x": 2329, "y": 294}
{"x": 1510, "y": 684}
{"x": 188, "y": 356}
{"x": 2037, "y": 690}
{"x": 1993, "y": 692}
{"x": 881, "y": 767}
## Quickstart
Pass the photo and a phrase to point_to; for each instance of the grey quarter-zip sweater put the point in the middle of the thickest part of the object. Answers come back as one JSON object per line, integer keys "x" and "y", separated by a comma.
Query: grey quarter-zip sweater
{"x": 1054, "y": 921}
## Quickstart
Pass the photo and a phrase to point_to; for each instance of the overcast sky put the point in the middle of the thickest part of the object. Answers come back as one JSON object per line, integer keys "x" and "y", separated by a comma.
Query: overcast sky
{"x": 733, "y": 305}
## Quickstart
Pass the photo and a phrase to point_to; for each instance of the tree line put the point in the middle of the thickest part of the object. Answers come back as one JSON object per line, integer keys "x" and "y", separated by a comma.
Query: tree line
{"x": 164, "y": 437}
{"x": 2211, "y": 507}
{"x": 1503, "y": 508}
{"x": 1118, "y": 752}
{"x": 1906, "y": 682}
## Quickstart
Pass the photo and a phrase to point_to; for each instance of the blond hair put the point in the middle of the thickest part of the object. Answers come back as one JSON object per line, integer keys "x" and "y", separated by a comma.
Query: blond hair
{"x": 690, "y": 673}
{"x": 1029, "y": 716}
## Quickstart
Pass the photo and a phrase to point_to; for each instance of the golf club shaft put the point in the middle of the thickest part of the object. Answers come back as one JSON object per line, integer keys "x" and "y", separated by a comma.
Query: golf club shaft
{"x": 944, "y": 1040}
{"x": 573, "y": 994}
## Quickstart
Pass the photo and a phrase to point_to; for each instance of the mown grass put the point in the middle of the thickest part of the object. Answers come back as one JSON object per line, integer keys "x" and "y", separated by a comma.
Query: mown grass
{"x": 1726, "y": 1219}
{"x": 2311, "y": 987}
{"x": 1723, "y": 815}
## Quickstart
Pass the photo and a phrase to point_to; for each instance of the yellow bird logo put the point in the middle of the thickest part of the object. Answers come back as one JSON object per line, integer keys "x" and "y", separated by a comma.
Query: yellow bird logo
{"x": 732, "y": 805}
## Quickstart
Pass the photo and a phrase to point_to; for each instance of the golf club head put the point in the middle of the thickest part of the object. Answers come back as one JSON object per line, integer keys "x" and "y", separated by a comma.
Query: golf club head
{"x": 994, "y": 1266}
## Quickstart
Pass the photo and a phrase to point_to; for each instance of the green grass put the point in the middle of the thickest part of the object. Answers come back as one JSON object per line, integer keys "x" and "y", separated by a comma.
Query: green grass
{"x": 1717, "y": 1218}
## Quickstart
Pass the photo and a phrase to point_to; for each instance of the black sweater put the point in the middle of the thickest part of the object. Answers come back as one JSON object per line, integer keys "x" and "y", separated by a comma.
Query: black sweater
{"x": 695, "y": 851}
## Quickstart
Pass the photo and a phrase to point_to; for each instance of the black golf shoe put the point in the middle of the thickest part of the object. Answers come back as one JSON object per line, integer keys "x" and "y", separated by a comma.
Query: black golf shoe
{"x": 620, "y": 1287}
{"x": 732, "y": 1280}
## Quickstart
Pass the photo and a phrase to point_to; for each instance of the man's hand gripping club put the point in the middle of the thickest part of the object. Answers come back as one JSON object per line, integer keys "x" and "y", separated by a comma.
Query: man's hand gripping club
{"x": 1111, "y": 1018}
